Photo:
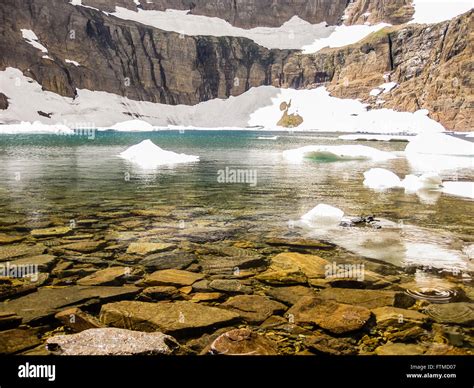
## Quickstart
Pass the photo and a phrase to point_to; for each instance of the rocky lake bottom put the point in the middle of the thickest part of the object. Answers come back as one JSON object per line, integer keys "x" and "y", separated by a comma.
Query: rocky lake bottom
{"x": 126, "y": 262}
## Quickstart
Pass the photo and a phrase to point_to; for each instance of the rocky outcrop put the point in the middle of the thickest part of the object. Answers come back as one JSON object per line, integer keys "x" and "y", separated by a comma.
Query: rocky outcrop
{"x": 430, "y": 64}
{"x": 129, "y": 59}
{"x": 376, "y": 11}
{"x": 3, "y": 101}
{"x": 242, "y": 13}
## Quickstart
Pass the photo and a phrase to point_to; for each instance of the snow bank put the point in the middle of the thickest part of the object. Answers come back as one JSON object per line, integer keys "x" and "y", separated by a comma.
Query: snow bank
{"x": 293, "y": 34}
{"x": 72, "y": 62}
{"x": 329, "y": 153}
{"x": 257, "y": 108}
{"x": 441, "y": 144}
{"x": 131, "y": 126}
{"x": 32, "y": 39}
{"x": 435, "y": 11}
{"x": 320, "y": 111}
{"x": 35, "y": 127}
{"x": 323, "y": 216}
{"x": 148, "y": 155}
{"x": 343, "y": 36}
{"x": 384, "y": 88}
{"x": 459, "y": 189}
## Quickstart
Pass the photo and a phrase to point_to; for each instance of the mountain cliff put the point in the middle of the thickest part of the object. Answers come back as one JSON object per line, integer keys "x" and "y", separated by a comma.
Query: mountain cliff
{"x": 87, "y": 48}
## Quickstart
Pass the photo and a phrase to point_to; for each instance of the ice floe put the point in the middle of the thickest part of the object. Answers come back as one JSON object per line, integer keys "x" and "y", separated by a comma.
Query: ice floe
{"x": 32, "y": 39}
{"x": 435, "y": 11}
{"x": 440, "y": 144}
{"x": 149, "y": 155}
{"x": 459, "y": 189}
{"x": 323, "y": 216}
{"x": 334, "y": 153}
{"x": 381, "y": 179}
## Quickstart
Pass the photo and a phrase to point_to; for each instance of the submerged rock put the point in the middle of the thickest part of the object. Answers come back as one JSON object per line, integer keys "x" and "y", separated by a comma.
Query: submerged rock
{"x": 16, "y": 340}
{"x": 172, "y": 277}
{"x": 51, "y": 232}
{"x": 180, "y": 318}
{"x": 455, "y": 313}
{"x": 147, "y": 248}
{"x": 161, "y": 261}
{"x": 334, "y": 317}
{"x": 9, "y": 320}
{"x": 400, "y": 318}
{"x": 325, "y": 344}
{"x": 290, "y": 295}
{"x": 293, "y": 268}
{"x": 77, "y": 320}
{"x": 15, "y": 251}
{"x": 399, "y": 349}
{"x": 253, "y": 309}
{"x": 48, "y": 301}
{"x": 112, "y": 342}
{"x": 367, "y": 298}
{"x": 243, "y": 342}
{"x": 230, "y": 286}
{"x": 112, "y": 276}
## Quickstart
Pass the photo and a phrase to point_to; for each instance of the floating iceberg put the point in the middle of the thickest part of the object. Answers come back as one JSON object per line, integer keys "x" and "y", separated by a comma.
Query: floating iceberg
{"x": 148, "y": 155}
{"x": 441, "y": 144}
{"x": 323, "y": 216}
{"x": 267, "y": 138}
{"x": 459, "y": 189}
{"x": 381, "y": 179}
{"x": 334, "y": 153}
{"x": 132, "y": 126}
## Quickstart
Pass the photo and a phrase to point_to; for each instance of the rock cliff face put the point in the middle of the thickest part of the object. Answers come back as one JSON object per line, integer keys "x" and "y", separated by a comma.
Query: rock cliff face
{"x": 432, "y": 64}
{"x": 375, "y": 11}
{"x": 127, "y": 58}
{"x": 242, "y": 13}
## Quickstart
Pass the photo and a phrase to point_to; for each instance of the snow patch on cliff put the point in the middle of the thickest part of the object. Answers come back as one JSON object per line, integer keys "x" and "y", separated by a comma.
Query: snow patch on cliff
{"x": 32, "y": 39}
{"x": 435, "y": 11}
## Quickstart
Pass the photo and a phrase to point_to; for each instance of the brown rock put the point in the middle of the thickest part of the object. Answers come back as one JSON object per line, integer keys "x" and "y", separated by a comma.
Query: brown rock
{"x": 253, "y": 309}
{"x": 293, "y": 268}
{"x": 334, "y": 317}
{"x": 243, "y": 342}
{"x": 16, "y": 340}
{"x": 325, "y": 344}
{"x": 77, "y": 320}
{"x": 147, "y": 248}
{"x": 179, "y": 318}
{"x": 172, "y": 277}
{"x": 112, "y": 276}
{"x": 367, "y": 298}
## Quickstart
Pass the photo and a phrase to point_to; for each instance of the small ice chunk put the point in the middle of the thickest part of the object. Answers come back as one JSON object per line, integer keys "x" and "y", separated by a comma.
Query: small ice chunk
{"x": 149, "y": 155}
{"x": 428, "y": 181}
{"x": 324, "y": 216}
{"x": 381, "y": 179}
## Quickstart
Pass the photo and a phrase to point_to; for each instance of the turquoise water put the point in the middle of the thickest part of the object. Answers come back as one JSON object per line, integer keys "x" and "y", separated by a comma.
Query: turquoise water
{"x": 58, "y": 178}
